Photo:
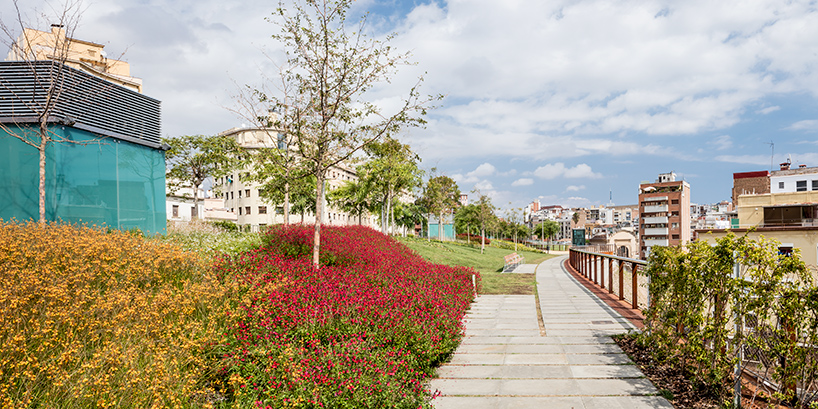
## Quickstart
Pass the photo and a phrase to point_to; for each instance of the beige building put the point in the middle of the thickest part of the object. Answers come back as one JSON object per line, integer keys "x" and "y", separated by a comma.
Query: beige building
{"x": 242, "y": 197}
{"x": 83, "y": 55}
{"x": 787, "y": 211}
{"x": 664, "y": 213}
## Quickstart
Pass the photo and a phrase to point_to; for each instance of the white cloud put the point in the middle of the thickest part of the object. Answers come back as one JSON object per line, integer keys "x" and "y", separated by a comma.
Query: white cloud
{"x": 558, "y": 170}
{"x": 484, "y": 185}
{"x": 768, "y": 110}
{"x": 478, "y": 174}
{"x": 486, "y": 169}
{"x": 806, "y": 125}
{"x": 760, "y": 160}
{"x": 721, "y": 142}
{"x": 523, "y": 182}
{"x": 573, "y": 188}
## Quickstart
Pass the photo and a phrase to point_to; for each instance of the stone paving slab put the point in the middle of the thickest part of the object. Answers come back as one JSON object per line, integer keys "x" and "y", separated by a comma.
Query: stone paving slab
{"x": 553, "y": 402}
{"x": 505, "y": 362}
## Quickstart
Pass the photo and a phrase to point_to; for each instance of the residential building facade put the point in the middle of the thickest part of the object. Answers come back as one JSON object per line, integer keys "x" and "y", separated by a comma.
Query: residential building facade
{"x": 664, "y": 213}
{"x": 91, "y": 58}
{"x": 242, "y": 196}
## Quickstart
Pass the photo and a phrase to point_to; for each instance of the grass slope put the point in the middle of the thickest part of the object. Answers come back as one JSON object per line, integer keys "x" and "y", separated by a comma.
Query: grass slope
{"x": 489, "y": 264}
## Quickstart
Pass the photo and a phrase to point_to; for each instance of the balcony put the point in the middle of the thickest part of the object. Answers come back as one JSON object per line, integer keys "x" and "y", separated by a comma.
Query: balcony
{"x": 655, "y": 220}
{"x": 654, "y": 242}
{"x": 655, "y": 209}
{"x": 656, "y": 231}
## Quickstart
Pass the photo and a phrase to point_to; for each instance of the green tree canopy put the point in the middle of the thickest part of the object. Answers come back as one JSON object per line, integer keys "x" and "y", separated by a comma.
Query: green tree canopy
{"x": 193, "y": 158}
{"x": 546, "y": 229}
{"x": 440, "y": 197}
{"x": 392, "y": 170}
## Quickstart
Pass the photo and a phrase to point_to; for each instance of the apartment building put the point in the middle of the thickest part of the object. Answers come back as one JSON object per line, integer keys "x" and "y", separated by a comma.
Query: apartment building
{"x": 86, "y": 56}
{"x": 242, "y": 195}
{"x": 664, "y": 213}
{"x": 780, "y": 205}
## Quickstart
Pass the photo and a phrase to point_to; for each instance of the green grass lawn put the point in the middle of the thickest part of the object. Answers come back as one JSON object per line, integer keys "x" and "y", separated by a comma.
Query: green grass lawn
{"x": 489, "y": 264}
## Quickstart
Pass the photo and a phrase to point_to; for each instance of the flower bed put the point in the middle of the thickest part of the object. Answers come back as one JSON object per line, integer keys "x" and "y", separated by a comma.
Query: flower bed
{"x": 363, "y": 330}
{"x": 95, "y": 318}
{"x": 472, "y": 237}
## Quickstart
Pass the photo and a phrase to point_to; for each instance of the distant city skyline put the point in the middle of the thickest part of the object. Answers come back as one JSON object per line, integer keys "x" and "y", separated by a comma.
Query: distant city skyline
{"x": 568, "y": 102}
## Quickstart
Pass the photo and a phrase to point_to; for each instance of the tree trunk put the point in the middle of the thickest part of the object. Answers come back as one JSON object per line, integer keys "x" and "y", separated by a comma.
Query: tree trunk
{"x": 195, "y": 202}
{"x": 383, "y": 217}
{"x": 287, "y": 200}
{"x": 319, "y": 216}
{"x": 389, "y": 224}
{"x": 482, "y": 240}
{"x": 440, "y": 227}
{"x": 43, "y": 144}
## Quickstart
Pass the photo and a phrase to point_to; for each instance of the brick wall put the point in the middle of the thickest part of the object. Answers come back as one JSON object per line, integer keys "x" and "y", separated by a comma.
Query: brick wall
{"x": 750, "y": 185}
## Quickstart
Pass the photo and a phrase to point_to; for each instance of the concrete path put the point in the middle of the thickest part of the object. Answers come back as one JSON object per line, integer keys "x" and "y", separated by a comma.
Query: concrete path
{"x": 509, "y": 359}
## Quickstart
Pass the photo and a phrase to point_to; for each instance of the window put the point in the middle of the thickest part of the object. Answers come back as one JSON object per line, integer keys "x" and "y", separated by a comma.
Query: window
{"x": 675, "y": 237}
{"x": 194, "y": 211}
{"x": 801, "y": 186}
{"x": 815, "y": 185}
{"x": 674, "y": 201}
{"x": 175, "y": 210}
{"x": 262, "y": 210}
{"x": 247, "y": 192}
{"x": 280, "y": 210}
{"x": 247, "y": 210}
{"x": 239, "y": 194}
{"x": 231, "y": 195}
{"x": 239, "y": 211}
{"x": 674, "y": 226}
{"x": 780, "y": 185}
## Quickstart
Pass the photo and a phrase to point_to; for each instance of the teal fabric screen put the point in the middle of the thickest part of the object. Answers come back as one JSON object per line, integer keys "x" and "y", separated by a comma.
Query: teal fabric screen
{"x": 89, "y": 179}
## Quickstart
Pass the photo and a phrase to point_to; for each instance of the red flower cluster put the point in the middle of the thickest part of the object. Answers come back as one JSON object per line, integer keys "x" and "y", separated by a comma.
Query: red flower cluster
{"x": 473, "y": 237}
{"x": 363, "y": 330}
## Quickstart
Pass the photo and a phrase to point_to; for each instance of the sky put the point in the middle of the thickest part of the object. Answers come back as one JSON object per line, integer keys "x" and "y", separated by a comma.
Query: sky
{"x": 570, "y": 102}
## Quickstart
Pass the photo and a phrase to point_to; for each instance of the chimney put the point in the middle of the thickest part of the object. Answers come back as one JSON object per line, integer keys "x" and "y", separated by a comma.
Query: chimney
{"x": 58, "y": 30}
{"x": 802, "y": 166}
{"x": 785, "y": 165}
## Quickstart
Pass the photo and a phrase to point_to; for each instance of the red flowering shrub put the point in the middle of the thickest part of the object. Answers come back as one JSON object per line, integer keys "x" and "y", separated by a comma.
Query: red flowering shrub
{"x": 363, "y": 330}
{"x": 473, "y": 237}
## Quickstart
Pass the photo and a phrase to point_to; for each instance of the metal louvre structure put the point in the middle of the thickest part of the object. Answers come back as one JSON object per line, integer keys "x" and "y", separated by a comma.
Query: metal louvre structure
{"x": 85, "y": 102}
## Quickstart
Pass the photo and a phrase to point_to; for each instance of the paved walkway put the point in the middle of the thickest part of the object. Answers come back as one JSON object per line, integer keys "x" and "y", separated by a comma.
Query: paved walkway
{"x": 508, "y": 360}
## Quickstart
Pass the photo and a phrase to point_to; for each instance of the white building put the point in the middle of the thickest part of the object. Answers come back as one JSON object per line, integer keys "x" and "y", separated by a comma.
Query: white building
{"x": 179, "y": 207}
{"x": 786, "y": 180}
{"x": 242, "y": 197}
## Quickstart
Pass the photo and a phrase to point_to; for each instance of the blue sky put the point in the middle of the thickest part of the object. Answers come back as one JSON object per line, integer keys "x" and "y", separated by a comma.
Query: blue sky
{"x": 565, "y": 101}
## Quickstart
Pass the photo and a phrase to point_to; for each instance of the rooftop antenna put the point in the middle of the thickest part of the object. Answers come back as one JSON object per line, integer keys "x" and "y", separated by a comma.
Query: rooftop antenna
{"x": 772, "y": 153}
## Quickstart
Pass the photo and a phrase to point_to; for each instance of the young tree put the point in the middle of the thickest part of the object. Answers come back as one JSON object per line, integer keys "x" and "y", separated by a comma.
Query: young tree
{"x": 441, "y": 196}
{"x": 485, "y": 216}
{"x": 546, "y": 229}
{"x": 50, "y": 83}
{"x": 193, "y": 158}
{"x": 391, "y": 170}
{"x": 323, "y": 102}
{"x": 515, "y": 218}
{"x": 466, "y": 218}
{"x": 353, "y": 197}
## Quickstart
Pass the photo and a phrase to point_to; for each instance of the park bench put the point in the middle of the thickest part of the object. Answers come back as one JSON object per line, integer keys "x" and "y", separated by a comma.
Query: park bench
{"x": 512, "y": 260}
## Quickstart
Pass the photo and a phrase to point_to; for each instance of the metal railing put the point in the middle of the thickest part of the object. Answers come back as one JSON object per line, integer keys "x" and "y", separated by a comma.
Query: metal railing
{"x": 623, "y": 280}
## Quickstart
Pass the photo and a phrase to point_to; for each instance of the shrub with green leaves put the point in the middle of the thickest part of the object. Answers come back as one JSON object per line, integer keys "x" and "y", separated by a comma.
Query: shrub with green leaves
{"x": 697, "y": 298}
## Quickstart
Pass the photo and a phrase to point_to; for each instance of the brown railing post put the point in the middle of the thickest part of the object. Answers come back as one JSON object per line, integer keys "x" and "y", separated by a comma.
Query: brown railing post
{"x": 602, "y": 271}
{"x": 610, "y": 275}
{"x": 621, "y": 282}
{"x": 595, "y": 268}
{"x": 587, "y": 265}
{"x": 634, "y": 285}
